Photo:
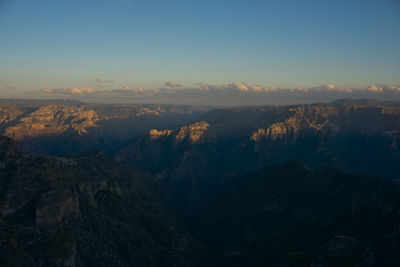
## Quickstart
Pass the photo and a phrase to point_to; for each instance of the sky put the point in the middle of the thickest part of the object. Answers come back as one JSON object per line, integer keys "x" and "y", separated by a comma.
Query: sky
{"x": 234, "y": 52}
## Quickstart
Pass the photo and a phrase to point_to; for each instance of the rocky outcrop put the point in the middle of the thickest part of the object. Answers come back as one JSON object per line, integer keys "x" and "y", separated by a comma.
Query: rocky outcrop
{"x": 9, "y": 113}
{"x": 306, "y": 119}
{"x": 155, "y": 134}
{"x": 53, "y": 120}
{"x": 195, "y": 133}
{"x": 66, "y": 127}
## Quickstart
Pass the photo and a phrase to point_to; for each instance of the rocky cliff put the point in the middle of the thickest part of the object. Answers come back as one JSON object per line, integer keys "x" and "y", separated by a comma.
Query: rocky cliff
{"x": 194, "y": 133}
{"x": 194, "y": 159}
{"x": 313, "y": 119}
{"x": 84, "y": 211}
{"x": 61, "y": 128}
{"x": 53, "y": 120}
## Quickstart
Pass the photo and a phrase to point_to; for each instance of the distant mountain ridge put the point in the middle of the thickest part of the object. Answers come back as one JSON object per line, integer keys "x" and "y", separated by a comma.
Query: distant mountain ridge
{"x": 193, "y": 160}
{"x": 59, "y": 127}
{"x": 192, "y": 151}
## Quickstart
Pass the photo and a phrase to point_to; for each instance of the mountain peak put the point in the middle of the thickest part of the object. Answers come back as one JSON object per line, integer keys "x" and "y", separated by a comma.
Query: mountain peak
{"x": 156, "y": 134}
{"x": 195, "y": 132}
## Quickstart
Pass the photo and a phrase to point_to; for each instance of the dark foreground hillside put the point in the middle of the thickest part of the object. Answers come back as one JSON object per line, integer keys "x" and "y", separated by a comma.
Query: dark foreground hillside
{"x": 84, "y": 211}
{"x": 91, "y": 211}
{"x": 291, "y": 215}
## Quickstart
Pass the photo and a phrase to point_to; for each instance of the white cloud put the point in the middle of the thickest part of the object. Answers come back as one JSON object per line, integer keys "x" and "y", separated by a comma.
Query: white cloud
{"x": 104, "y": 81}
{"x": 67, "y": 91}
{"x": 374, "y": 89}
{"x": 243, "y": 87}
{"x": 383, "y": 88}
{"x": 126, "y": 88}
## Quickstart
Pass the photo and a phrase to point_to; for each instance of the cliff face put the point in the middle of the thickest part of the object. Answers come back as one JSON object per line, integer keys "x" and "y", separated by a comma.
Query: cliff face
{"x": 259, "y": 133}
{"x": 155, "y": 134}
{"x": 53, "y": 120}
{"x": 9, "y": 113}
{"x": 60, "y": 128}
{"x": 328, "y": 120}
{"x": 315, "y": 119}
{"x": 194, "y": 159}
{"x": 194, "y": 133}
{"x": 85, "y": 211}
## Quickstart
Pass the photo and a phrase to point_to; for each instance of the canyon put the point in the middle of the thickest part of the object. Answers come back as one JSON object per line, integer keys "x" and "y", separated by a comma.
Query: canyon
{"x": 141, "y": 185}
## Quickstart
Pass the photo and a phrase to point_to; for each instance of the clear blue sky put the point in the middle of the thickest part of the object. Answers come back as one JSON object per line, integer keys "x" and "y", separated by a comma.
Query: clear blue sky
{"x": 143, "y": 43}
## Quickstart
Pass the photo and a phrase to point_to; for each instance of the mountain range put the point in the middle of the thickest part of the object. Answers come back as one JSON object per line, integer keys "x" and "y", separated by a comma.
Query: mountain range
{"x": 162, "y": 185}
{"x": 60, "y": 127}
{"x": 193, "y": 160}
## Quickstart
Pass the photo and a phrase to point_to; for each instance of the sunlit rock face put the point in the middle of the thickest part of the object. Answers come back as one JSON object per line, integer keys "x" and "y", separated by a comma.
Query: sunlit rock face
{"x": 314, "y": 119}
{"x": 391, "y": 111}
{"x": 56, "y": 119}
{"x": 195, "y": 133}
{"x": 9, "y": 113}
{"x": 155, "y": 134}
{"x": 50, "y": 128}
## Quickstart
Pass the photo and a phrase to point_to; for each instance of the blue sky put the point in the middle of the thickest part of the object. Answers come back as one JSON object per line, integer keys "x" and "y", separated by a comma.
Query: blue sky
{"x": 68, "y": 44}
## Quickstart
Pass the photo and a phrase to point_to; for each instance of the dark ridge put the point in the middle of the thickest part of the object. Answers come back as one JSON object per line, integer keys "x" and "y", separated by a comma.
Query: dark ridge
{"x": 368, "y": 102}
{"x": 291, "y": 215}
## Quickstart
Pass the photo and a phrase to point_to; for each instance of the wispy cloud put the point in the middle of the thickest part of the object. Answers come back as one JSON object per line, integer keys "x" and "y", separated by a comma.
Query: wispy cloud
{"x": 104, "y": 81}
{"x": 172, "y": 84}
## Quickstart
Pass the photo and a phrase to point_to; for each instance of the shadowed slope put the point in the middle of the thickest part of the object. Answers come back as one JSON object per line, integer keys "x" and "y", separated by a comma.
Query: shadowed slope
{"x": 84, "y": 211}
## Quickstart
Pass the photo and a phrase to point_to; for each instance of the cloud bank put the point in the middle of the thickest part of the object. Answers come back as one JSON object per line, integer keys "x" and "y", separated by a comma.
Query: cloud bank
{"x": 233, "y": 93}
{"x": 71, "y": 91}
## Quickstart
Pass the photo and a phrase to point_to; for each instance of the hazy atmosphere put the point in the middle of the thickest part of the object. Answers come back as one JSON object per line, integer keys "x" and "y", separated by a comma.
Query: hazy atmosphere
{"x": 184, "y": 133}
{"x": 200, "y": 52}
